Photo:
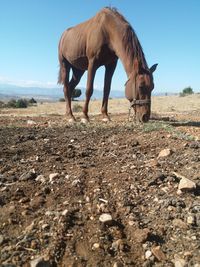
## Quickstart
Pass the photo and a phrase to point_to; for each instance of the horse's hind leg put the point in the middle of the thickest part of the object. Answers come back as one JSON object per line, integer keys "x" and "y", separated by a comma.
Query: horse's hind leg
{"x": 65, "y": 70}
{"x": 69, "y": 87}
{"x": 110, "y": 68}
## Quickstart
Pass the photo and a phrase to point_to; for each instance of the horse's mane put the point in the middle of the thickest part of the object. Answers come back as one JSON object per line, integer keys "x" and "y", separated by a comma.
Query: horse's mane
{"x": 129, "y": 39}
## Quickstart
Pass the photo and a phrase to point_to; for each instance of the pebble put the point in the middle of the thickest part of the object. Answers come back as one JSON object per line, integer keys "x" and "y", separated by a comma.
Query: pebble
{"x": 186, "y": 184}
{"x": 95, "y": 246}
{"x": 105, "y": 217}
{"x": 39, "y": 262}
{"x": 64, "y": 213}
{"x": 165, "y": 153}
{"x": 179, "y": 263}
{"x": 1, "y": 239}
{"x": 191, "y": 220}
{"x": 118, "y": 264}
{"x": 40, "y": 178}
{"x": 179, "y": 223}
{"x": 148, "y": 254}
{"x": 53, "y": 176}
{"x": 31, "y": 122}
{"x": 141, "y": 235}
{"x": 30, "y": 175}
{"x": 158, "y": 253}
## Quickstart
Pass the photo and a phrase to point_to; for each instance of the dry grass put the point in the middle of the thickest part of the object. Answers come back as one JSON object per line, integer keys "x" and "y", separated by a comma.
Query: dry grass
{"x": 167, "y": 105}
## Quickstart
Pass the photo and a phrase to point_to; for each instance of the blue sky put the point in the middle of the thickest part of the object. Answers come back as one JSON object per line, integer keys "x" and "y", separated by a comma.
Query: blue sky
{"x": 169, "y": 32}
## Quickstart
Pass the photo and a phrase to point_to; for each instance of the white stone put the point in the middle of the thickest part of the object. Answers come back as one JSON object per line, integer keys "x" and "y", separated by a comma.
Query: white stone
{"x": 186, "y": 184}
{"x": 30, "y": 122}
{"x": 105, "y": 217}
{"x": 40, "y": 178}
{"x": 64, "y": 213}
{"x": 179, "y": 263}
{"x": 85, "y": 121}
{"x": 52, "y": 176}
{"x": 95, "y": 246}
{"x": 148, "y": 254}
{"x": 165, "y": 153}
{"x": 190, "y": 219}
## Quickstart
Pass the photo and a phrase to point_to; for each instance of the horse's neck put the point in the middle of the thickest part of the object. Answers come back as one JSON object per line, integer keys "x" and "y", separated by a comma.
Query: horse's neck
{"x": 121, "y": 51}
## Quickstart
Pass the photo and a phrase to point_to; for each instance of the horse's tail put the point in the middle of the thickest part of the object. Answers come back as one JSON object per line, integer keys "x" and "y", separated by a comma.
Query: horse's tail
{"x": 60, "y": 76}
{"x": 62, "y": 71}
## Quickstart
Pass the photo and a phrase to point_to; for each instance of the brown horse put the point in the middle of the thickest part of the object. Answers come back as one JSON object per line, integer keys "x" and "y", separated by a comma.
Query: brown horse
{"x": 99, "y": 41}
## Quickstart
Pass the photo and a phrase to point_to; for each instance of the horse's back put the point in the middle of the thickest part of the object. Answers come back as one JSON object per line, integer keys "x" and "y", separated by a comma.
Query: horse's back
{"x": 84, "y": 40}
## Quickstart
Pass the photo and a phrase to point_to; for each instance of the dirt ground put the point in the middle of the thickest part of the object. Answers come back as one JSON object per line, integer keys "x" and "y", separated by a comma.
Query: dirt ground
{"x": 100, "y": 195}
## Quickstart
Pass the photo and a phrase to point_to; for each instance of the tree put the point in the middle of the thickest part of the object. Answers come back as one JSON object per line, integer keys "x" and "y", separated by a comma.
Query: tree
{"x": 11, "y": 103}
{"x": 32, "y": 101}
{"x": 21, "y": 103}
{"x": 76, "y": 93}
{"x": 187, "y": 91}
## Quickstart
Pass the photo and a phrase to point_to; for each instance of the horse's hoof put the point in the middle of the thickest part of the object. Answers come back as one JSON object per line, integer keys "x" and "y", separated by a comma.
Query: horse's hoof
{"x": 105, "y": 120}
{"x": 84, "y": 120}
{"x": 71, "y": 121}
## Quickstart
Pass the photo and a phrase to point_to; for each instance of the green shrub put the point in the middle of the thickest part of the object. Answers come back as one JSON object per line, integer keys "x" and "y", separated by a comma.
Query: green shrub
{"x": 32, "y": 101}
{"x": 11, "y": 103}
{"x": 186, "y": 91}
{"x": 61, "y": 100}
{"x": 2, "y": 104}
{"x": 21, "y": 103}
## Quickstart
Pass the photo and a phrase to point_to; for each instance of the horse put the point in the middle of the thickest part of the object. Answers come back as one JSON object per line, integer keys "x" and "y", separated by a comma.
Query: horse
{"x": 101, "y": 41}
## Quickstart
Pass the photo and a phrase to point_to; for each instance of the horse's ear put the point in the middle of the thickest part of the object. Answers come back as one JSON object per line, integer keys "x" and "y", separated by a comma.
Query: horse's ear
{"x": 153, "y": 68}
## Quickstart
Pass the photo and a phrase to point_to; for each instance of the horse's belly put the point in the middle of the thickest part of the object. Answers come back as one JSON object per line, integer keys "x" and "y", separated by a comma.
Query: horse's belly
{"x": 79, "y": 63}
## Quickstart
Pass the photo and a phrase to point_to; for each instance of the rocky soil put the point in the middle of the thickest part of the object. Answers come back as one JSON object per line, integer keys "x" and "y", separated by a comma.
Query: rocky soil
{"x": 113, "y": 195}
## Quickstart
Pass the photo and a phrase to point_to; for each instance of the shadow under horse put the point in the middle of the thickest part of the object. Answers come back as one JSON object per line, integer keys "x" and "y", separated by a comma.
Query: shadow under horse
{"x": 100, "y": 41}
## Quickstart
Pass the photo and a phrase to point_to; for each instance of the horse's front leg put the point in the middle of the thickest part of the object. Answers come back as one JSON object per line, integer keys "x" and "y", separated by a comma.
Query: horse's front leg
{"x": 89, "y": 88}
{"x": 110, "y": 68}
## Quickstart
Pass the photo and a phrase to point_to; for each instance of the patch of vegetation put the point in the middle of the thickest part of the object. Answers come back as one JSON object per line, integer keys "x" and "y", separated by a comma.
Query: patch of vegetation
{"x": 156, "y": 126}
{"x": 186, "y": 91}
{"x": 2, "y": 104}
{"x": 77, "y": 108}
{"x": 61, "y": 100}
{"x": 19, "y": 103}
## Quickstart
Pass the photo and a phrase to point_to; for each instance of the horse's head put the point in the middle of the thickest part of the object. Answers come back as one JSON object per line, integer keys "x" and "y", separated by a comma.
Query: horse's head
{"x": 138, "y": 91}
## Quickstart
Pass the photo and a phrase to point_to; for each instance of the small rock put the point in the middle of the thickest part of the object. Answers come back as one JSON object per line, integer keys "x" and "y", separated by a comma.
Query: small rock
{"x": 95, "y": 246}
{"x": 105, "y": 217}
{"x": 191, "y": 219}
{"x": 194, "y": 145}
{"x": 64, "y": 213}
{"x": 186, "y": 184}
{"x": 118, "y": 264}
{"x": 141, "y": 235}
{"x": 165, "y": 153}
{"x": 1, "y": 239}
{"x": 158, "y": 253}
{"x": 45, "y": 226}
{"x": 39, "y": 262}
{"x": 29, "y": 228}
{"x": 179, "y": 223}
{"x": 148, "y": 254}
{"x": 53, "y": 176}
{"x": 76, "y": 182}
{"x": 179, "y": 263}
{"x": 117, "y": 245}
{"x": 40, "y": 178}
{"x": 31, "y": 122}
{"x": 30, "y": 175}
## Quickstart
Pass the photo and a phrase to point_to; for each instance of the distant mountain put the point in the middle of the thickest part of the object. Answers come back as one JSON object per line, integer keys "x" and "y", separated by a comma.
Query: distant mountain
{"x": 8, "y": 91}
